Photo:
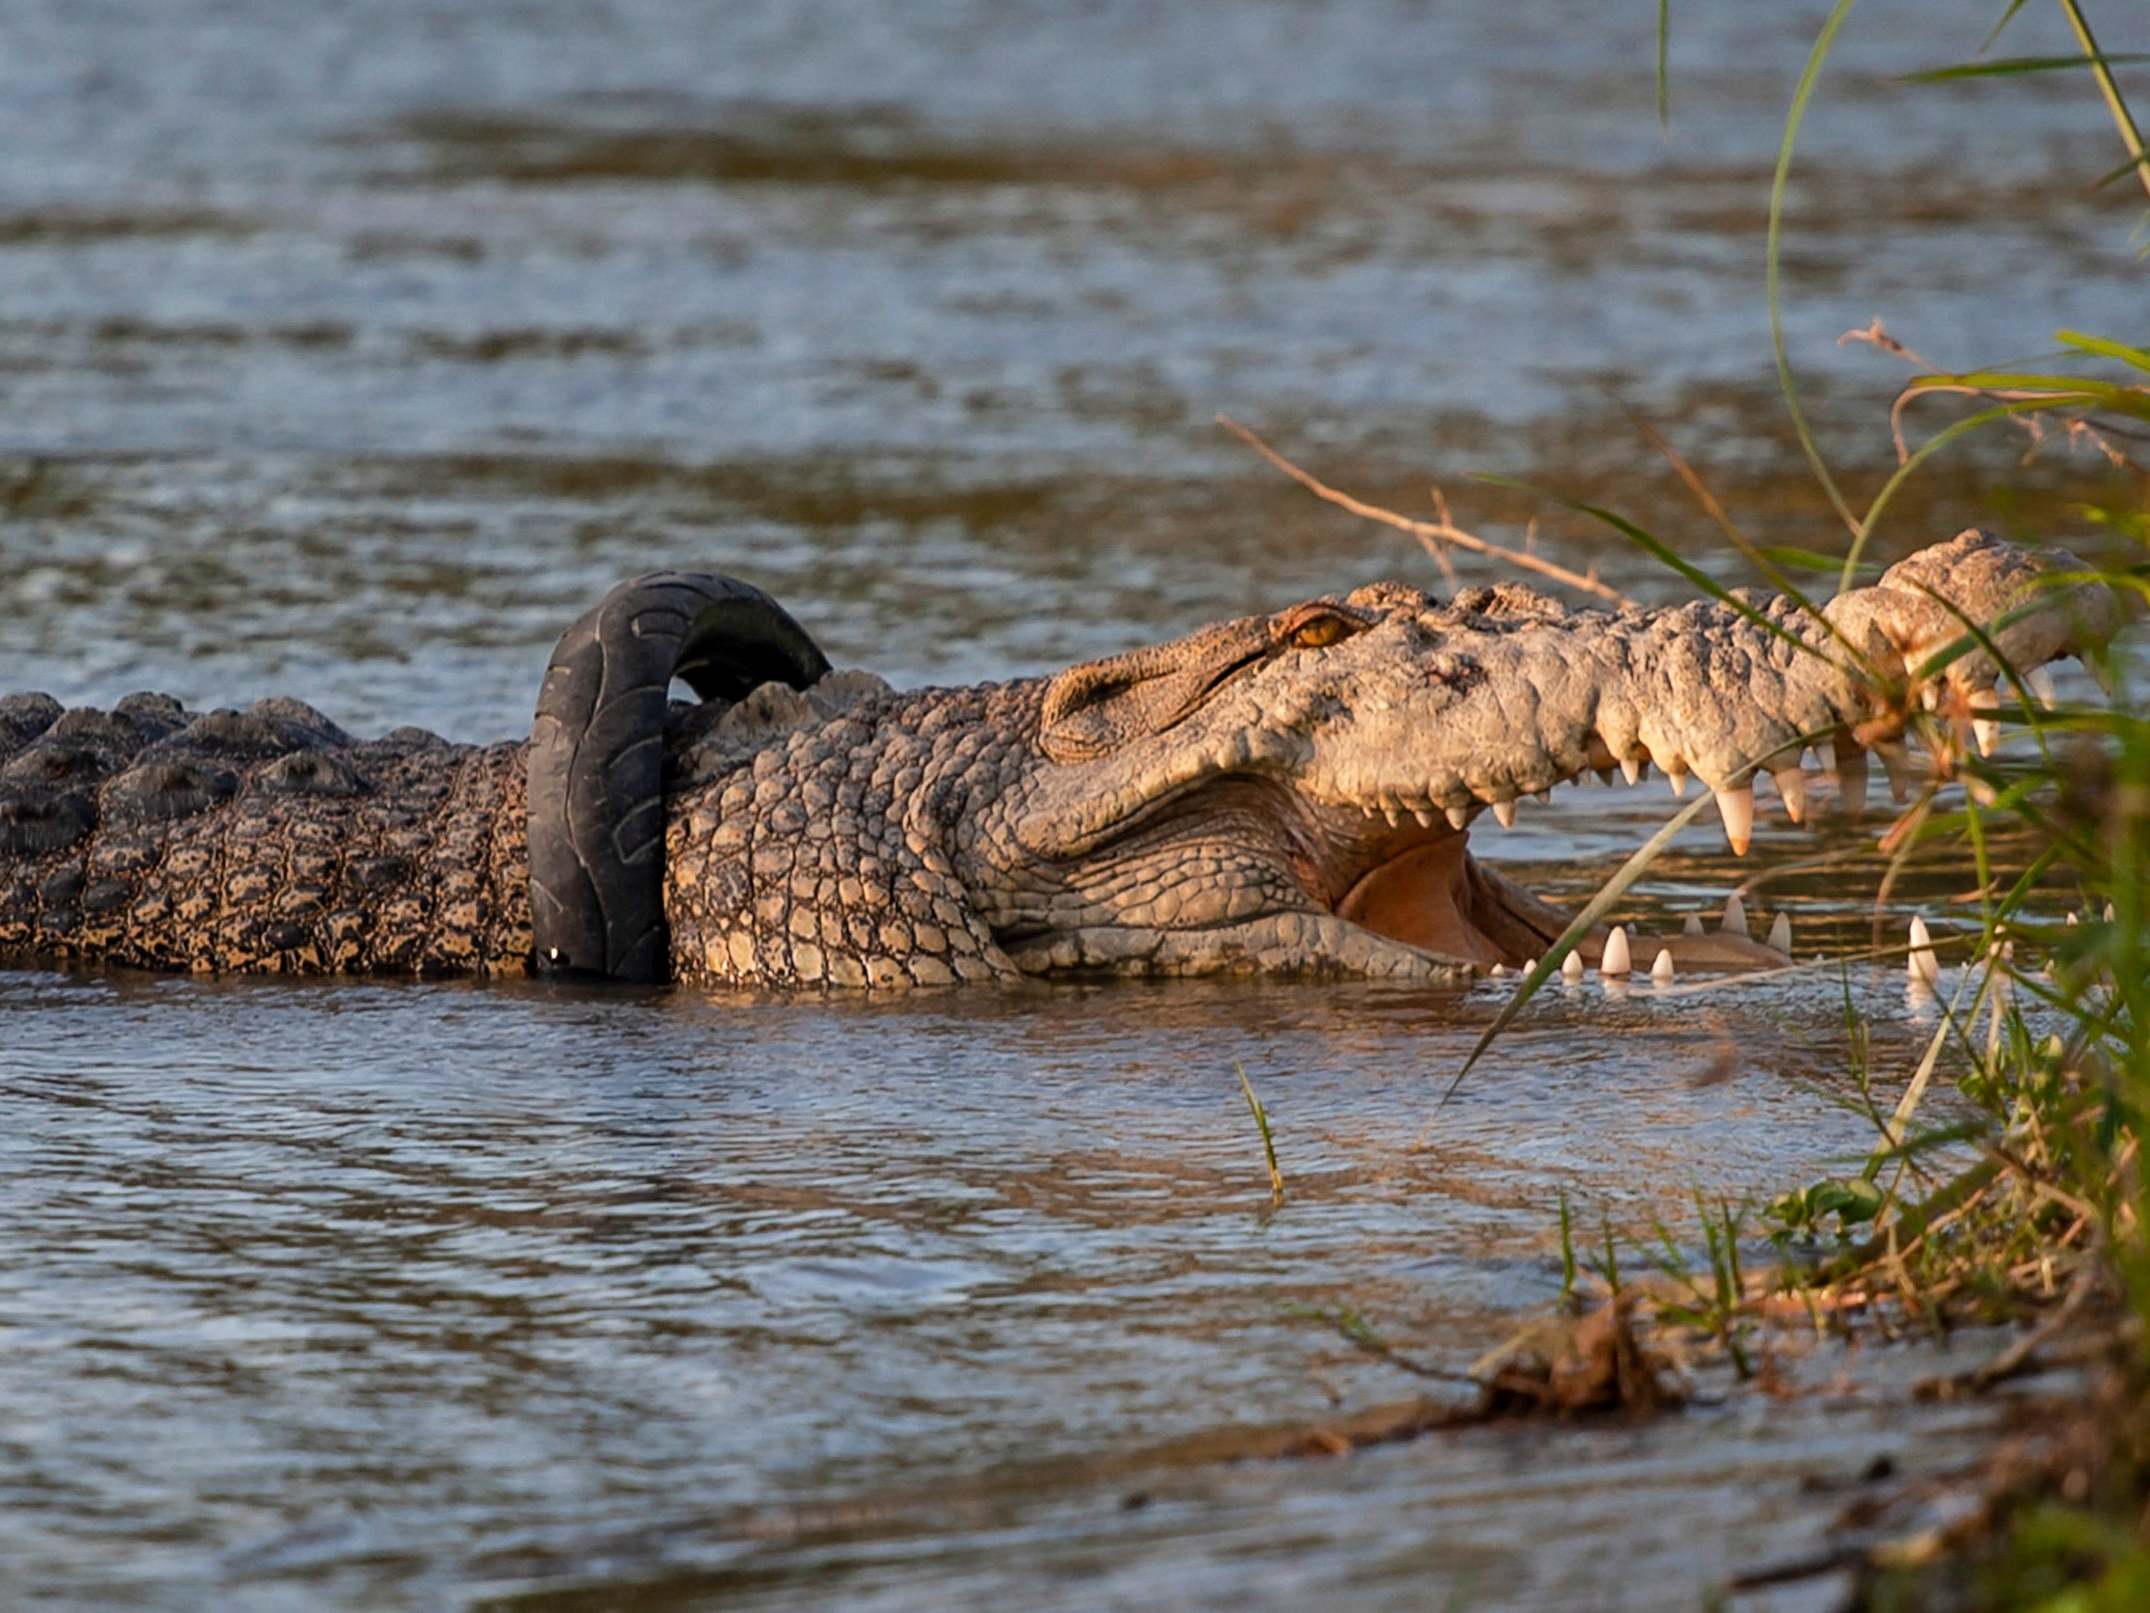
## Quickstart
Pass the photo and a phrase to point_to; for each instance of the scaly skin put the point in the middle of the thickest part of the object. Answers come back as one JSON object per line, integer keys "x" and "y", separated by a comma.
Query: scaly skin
{"x": 1287, "y": 793}
{"x": 263, "y": 841}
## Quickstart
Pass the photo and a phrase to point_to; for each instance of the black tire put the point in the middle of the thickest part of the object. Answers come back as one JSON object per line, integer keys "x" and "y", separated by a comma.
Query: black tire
{"x": 596, "y": 780}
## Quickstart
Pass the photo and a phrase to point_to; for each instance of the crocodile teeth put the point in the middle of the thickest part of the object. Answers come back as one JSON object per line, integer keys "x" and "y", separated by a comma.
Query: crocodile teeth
{"x": 1630, "y": 769}
{"x": 1395, "y": 818}
{"x": 1616, "y": 960}
{"x": 1850, "y": 775}
{"x": 1424, "y": 817}
{"x": 1661, "y": 970}
{"x": 1693, "y": 926}
{"x": 1922, "y": 964}
{"x": 1896, "y": 760}
{"x": 1677, "y": 778}
{"x": 1792, "y": 785}
{"x": 2041, "y": 682}
{"x": 1571, "y": 967}
{"x": 1505, "y": 812}
{"x": 1735, "y": 916}
{"x": 1737, "y": 809}
{"x": 1458, "y": 817}
{"x": 1984, "y": 729}
{"x": 1780, "y": 934}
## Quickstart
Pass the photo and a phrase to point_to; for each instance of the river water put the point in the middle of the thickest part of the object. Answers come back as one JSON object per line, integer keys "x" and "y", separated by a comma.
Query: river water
{"x": 348, "y": 352}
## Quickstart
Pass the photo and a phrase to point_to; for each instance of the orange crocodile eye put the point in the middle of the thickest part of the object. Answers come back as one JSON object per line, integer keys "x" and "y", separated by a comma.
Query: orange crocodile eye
{"x": 1322, "y": 631}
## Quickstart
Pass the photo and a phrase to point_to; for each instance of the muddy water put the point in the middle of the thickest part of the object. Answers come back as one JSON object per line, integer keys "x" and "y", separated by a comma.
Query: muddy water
{"x": 347, "y": 355}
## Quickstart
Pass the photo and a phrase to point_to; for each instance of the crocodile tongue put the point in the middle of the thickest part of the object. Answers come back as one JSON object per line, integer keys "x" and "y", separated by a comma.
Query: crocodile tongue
{"x": 1437, "y": 896}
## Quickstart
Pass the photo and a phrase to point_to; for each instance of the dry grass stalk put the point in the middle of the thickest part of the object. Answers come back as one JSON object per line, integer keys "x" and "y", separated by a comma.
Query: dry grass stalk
{"x": 1430, "y": 534}
{"x": 2079, "y": 429}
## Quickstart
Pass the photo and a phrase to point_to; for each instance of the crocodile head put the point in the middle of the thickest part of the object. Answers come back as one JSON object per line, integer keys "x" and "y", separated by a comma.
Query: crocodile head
{"x": 1301, "y": 790}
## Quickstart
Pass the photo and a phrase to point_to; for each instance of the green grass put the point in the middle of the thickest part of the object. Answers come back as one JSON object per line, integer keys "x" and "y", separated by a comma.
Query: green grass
{"x": 1269, "y": 1141}
{"x": 2037, "y": 1201}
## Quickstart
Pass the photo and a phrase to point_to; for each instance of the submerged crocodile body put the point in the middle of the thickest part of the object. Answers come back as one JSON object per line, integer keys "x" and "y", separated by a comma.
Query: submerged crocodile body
{"x": 1292, "y": 792}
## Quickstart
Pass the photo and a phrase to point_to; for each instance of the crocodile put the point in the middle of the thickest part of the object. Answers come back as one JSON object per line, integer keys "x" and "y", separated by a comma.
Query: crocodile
{"x": 1289, "y": 792}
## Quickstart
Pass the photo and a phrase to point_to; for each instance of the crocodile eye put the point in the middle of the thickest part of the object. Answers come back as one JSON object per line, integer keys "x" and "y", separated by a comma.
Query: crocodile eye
{"x": 1319, "y": 632}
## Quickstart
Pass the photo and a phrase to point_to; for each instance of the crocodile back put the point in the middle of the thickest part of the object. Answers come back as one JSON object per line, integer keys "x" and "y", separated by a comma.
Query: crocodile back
{"x": 264, "y": 840}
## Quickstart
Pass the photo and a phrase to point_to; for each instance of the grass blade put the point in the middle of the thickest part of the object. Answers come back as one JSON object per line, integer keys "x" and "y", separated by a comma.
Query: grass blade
{"x": 1659, "y": 549}
{"x": 2109, "y": 87}
{"x": 2104, "y": 347}
{"x": 1773, "y": 274}
{"x": 2007, "y": 17}
{"x": 1269, "y": 1142}
{"x": 2006, "y": 66}
{"x": 1664, "y": 47}
{"x": 1596, "y": 908}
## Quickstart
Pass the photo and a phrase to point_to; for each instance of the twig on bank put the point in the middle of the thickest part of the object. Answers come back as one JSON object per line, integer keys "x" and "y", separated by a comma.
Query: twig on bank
{"x": 2020, "y": 1356}
{"x": 1430, "y": 534}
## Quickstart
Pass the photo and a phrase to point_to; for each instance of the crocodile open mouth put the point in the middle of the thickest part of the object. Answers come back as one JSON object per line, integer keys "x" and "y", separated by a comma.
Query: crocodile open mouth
{"x": 1410, "y": 875}
{"x": 1439, "y": 898}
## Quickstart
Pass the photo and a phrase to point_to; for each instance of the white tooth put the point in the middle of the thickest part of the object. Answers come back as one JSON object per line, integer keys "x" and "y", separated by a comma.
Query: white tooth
{"x": 1395, "y": 818}
{"x": 1693, "y": 926}
{"x": 1923, "y": 965}
{"x": 1498, "y": 970}
{"x": 1677, "y": 778}
{"x": 1737, "y": 809}
{"x": 1458, "y": 817}
{"x": 1896, "y": 760}
{"x": 1984, "y": 729}
{"x": 1850, "y": 775}
{"x": 1616, "y": 960}
{"x": 1505, "y": 812}
{"x": 1630, "y": 769}
{"x": 1425, "y": 818}
{"x": 2041, "y": 682}
{"x": 2075, "y": 918}
{"x": 1792, "y": 785}
{"x": 1661, "y": 970}
{"x": 2108, "y": 912}
{"x": 1571, "y": 967}
{"x": 1780, "y": 934}
{"x": 1930, "y": 697}
{"x": 1735, "y": 916}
